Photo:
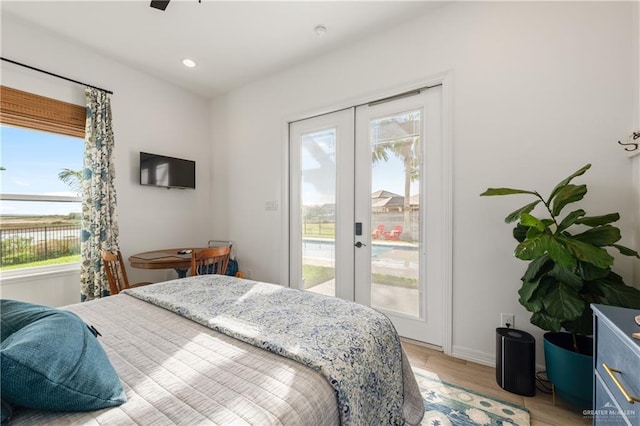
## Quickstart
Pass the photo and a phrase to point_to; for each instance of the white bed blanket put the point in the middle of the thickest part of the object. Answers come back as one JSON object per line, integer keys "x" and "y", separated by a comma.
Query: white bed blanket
{"x": 355, "y": 347}
{"x": 176, "y": 371}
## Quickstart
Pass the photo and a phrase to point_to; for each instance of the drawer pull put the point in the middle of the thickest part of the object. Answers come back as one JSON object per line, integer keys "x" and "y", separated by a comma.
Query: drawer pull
{"x": 630, "y": 399}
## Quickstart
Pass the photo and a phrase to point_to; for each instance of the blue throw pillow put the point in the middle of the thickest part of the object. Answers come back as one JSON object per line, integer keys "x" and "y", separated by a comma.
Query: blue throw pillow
{"x": 51, "y": 360}
{"x": 5, "y": 412}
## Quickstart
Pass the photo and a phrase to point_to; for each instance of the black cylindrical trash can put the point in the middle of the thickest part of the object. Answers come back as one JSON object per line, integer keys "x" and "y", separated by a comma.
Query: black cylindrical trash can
{"x": 516, "y": 361}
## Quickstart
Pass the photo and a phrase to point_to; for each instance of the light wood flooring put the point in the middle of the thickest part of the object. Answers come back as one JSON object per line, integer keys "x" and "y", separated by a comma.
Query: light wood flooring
{"x": 482, "y": 379}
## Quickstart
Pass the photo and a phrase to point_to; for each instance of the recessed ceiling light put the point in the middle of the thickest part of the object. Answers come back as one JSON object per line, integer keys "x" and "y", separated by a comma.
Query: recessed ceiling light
{"x": 320, "y": 30}
{"x": 188, "y": 63}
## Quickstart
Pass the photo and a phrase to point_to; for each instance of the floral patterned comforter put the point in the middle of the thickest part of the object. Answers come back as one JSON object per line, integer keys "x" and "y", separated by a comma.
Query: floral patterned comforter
{"x": 355, "y": 347}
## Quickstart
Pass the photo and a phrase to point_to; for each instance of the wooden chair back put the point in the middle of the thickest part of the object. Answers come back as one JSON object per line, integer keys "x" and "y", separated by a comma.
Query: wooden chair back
{"x": 116, "y": 272}
{"x": 213, "y": 260}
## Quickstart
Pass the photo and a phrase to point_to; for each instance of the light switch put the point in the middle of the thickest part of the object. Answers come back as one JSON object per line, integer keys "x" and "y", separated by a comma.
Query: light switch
{"x": 271, "y": 205}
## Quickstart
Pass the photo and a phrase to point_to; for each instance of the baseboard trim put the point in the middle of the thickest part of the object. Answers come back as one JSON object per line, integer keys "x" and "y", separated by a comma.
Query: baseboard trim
{"x": 480, "y": 357}
{"x": 19, "y": 276}
{"x": 423, "y": 344}
{"x": 473, "y": 355}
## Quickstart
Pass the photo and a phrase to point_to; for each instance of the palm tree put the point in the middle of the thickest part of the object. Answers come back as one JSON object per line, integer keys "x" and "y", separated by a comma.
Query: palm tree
{"x": 73, "y": 178}
{"x": 402, "y": 140}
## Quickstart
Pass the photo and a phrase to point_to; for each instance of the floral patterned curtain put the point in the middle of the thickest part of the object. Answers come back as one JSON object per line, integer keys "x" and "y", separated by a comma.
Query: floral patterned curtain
{"x": 99, "y": 219}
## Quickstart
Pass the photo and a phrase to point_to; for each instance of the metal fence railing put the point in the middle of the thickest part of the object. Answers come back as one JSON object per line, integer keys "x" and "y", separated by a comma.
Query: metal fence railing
{"x": 25, "y": 245}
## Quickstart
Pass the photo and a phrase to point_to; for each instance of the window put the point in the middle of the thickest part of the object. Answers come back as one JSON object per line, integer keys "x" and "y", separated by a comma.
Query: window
{"x": 41, "y": 158}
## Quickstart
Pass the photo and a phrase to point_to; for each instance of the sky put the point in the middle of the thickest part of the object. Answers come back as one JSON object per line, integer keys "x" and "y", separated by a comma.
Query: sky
{"x": 32, "y": 161}
{"x": 318, "y": 164}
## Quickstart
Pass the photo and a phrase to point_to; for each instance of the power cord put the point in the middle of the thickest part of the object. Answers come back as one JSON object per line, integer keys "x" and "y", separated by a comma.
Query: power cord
{"x": 543, "y": 384}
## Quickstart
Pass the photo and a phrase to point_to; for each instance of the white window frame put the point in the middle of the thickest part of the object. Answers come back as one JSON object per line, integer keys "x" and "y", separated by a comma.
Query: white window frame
{"x": 36, "y": 197}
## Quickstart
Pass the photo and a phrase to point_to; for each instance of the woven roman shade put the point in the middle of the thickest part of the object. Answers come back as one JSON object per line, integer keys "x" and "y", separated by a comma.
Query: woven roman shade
{"x": 24, "y": 109}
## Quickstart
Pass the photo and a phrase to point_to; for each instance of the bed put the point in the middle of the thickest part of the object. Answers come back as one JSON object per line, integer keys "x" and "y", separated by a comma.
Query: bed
{"x": 222, "y": 350}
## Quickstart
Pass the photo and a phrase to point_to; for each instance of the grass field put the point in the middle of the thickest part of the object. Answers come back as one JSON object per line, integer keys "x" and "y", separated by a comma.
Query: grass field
{"x": 314, "y": 275}
{"x": 56, "y": 261}
{"x": 324, "y": 230}
{"x": 26, "y": 221}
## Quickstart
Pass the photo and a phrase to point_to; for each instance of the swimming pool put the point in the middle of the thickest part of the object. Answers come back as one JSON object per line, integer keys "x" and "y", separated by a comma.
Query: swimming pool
{"x": 325, "y": 249}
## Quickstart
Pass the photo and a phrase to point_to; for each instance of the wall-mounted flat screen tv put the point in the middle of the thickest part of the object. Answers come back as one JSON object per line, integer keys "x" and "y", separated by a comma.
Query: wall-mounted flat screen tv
{"x": 167, "y": 172}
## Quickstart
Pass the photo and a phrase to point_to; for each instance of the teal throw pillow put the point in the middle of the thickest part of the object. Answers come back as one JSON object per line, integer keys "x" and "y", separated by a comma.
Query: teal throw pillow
{"x": 51, "y": 360}
{"x": 5, "y": 412}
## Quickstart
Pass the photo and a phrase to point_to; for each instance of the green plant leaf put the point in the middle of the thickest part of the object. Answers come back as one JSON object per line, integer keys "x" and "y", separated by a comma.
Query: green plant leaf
{"x": 566, "y": 195}
{"x": 590, "y": 272}
{"x": 566, "y": 276}
{"x": 537, "y": 267}
{"x": 564, "y": 182}
{"x": 505, "y": 191}
{"x": 527, "y": 289}
{"x": 570, "y": 219}
{"x": 626, "y": 250}
{"x": 598, "y": 220}
{"x": 545, "y": 321}
{"x": 617, "y": 292}
{"x": 520, "y": 233}
{"x": 531, "y": 248}
{"x": 534, "y": 232}
{"x": 515, "y": 215}
{"x": 581, "y": 325}
{"x": 534, "y": 303}
{"x": 600, "y": 236}
{"x": 560, "y": 254}
{"x": 532, "y": 293}
{"x": 592, "y": 293}
{"x": 588, "y": 253}
{"x": 563, "y": 302}
{"x": 531, "y": 221}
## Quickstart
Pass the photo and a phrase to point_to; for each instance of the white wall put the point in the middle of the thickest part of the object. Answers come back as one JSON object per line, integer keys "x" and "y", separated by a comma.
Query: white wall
{"x": 539, "y": 90}
{"x": 149, "y": 115}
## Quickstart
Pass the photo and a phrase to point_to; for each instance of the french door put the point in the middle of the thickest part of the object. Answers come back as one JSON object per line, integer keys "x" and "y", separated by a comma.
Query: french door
{"x": 365, "y": 217}
{"x": 321, "y": 204}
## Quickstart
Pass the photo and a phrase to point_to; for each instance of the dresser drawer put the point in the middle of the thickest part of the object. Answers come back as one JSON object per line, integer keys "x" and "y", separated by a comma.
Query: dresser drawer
{"x": 613, "y": 352}
{"x": 606, "y": 409}
{"x": 616, "y": 364}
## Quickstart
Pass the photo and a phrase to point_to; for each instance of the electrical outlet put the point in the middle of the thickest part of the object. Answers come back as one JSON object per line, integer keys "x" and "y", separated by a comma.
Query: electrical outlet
{"x": 508, "y": 320}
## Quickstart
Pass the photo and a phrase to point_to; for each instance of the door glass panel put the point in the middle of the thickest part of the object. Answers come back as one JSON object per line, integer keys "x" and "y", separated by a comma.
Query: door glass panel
{"x": 318, "y": 210}
{"x": 395, "y": 212}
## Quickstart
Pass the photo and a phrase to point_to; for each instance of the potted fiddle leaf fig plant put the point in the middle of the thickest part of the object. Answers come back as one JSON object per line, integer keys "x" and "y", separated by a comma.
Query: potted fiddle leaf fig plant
{"x": 569, "y": 268}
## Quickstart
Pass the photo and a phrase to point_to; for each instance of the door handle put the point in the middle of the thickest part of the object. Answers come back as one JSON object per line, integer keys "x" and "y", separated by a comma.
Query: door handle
{"x": 359, "y": 244}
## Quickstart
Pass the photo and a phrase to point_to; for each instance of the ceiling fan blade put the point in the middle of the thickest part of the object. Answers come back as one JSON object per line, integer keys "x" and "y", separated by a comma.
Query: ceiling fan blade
{"x": 160, "y": 4}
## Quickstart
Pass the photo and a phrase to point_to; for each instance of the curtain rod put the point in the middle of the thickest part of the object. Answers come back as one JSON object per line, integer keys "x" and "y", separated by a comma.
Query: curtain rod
{"x": 55, "y": 75}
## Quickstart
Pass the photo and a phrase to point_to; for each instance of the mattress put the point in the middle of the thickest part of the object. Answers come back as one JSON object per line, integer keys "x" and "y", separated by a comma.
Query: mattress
{"x": 176, "y": 371}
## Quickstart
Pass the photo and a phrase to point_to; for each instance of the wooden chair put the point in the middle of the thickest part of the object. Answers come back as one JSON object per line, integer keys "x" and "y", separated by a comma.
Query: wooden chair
{"x": 116, "y": 272}
{"x": 213, "y": 260}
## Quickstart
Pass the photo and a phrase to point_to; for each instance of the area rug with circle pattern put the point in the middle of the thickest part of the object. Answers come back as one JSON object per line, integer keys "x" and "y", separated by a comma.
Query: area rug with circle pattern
{"x": 448, "y": 404}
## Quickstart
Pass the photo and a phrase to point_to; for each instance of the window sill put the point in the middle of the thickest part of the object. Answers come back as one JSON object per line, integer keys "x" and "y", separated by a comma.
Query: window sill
{"x": 30, "y": 274}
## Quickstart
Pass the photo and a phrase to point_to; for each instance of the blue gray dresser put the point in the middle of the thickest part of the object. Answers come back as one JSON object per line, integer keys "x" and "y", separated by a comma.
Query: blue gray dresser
{"x": 616, "y": 358}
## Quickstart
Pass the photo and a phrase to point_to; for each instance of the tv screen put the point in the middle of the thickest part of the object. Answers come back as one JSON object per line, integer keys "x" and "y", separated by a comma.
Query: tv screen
{"x": 168, "y": 172}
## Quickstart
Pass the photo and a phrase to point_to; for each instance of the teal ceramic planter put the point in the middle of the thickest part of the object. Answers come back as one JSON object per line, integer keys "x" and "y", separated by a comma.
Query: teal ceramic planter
{"x": 570, "y": 372}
